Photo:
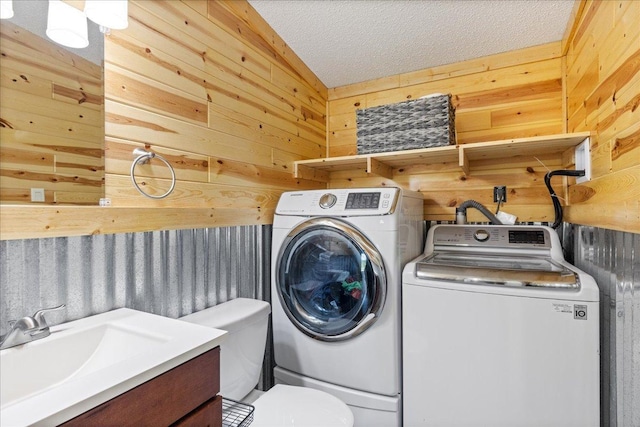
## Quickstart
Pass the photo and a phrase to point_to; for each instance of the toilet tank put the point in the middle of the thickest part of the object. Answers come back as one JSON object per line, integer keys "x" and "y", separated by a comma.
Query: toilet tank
{"x": 242, "y": 352}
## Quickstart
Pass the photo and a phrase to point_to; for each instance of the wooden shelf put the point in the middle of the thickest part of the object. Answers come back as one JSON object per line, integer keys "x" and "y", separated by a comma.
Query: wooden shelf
{"x": 383, "y": 164}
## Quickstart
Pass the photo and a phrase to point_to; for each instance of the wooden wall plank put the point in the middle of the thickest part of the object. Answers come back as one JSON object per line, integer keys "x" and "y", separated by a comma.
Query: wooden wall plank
{"x": 233, "y": 122}
{"x": 188, "y": 167}
{"x": 193, "y": 195}
{"x": 625, "y": 148}
{"x": 612, "y": 200}
{"x": 197, "y": 169}
{"x": 46, "y": 124}
{"x": 197, "y": 5}
{"x": 24, "y": 222}
{"x": 29, "y": 48}
{"x": 445, "y": 72}
{"x": 263, "y": 36}
{"x": 255, "y": 108}
{"x": 17, "y": 158}
{"x": 52, "y": 107}
{"x": 36, "y": 141}
{"x": 129, "y": 123}
{"x": 54, "y": 182}
{"x": 148, "y": 48}
{"x": 141, "y": 92}
{"x": 309, "y": 97}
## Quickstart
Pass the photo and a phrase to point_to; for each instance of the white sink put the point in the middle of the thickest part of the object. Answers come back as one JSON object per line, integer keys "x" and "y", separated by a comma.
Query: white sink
{"x": 86, "y": 362}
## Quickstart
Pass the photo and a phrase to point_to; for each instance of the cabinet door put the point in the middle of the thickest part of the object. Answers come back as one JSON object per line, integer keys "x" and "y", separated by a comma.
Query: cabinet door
{"x": 207, "y": 415}
{"x": 163, "y": 400}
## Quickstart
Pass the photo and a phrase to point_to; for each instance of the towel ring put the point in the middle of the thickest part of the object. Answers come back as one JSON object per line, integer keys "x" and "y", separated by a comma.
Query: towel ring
{"x": 143, "y": 156}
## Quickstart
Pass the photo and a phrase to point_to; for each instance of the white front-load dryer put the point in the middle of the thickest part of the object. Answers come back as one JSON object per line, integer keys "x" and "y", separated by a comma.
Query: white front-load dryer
{"x": 337, "y": 261}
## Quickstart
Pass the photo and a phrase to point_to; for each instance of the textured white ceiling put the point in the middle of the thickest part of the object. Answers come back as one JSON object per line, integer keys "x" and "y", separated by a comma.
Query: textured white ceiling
{"x": 350, "y": 41}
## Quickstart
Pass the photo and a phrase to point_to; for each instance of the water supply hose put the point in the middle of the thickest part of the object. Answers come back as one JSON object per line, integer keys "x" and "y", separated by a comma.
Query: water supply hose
{"x": 461, "y": 212}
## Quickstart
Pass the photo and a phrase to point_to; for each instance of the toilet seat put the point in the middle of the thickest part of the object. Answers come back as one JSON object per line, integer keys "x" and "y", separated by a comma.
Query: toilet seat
{"x": 292, "y": 406}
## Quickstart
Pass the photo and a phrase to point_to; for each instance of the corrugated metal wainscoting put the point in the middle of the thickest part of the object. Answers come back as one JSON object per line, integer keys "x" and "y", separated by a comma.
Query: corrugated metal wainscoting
{"x": 170, "y": 273}
{"x": 174, "y": 273}
{"x": 613, "y": 259}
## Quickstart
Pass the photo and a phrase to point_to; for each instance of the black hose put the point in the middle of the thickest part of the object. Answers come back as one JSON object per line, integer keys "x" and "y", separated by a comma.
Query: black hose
{"x": 557, "y": 207}
{"x": 461, "y": 212}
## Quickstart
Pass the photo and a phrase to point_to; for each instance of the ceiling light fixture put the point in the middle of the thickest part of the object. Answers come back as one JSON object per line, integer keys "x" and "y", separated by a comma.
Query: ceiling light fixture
{"x": 108, "y": 13}
{"x": 67, "y": 25}
{"x": 6, "y": 9}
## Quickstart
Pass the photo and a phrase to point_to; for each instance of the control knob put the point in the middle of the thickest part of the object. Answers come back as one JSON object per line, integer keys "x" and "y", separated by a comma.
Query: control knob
{"x": 481, "y": 235}
{"x": 328, "y": 200}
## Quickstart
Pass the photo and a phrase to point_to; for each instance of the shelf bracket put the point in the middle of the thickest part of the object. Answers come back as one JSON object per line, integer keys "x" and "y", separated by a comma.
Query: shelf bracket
{"x": 312, "y": 174}
{"x": 463, "y": 160}
{"x": 378, "y": 168}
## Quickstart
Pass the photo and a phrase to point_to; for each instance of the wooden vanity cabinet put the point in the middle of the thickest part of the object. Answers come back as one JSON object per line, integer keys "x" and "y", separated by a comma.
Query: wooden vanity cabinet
{"x": 186, "y": 395}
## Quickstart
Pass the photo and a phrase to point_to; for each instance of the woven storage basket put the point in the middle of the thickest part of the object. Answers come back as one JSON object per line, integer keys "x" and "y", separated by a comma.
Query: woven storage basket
{"x": 420, "y": 123}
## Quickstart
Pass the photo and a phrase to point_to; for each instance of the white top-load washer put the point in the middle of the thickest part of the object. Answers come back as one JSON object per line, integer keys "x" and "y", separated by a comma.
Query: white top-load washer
{"x": 499, "y": 330}
{"x": 337, "y": 263}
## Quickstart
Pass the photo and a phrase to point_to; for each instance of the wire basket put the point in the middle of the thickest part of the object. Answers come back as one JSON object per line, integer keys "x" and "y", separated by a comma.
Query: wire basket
{"x": 236, "y": 414}
{"x": 420, "y": 123}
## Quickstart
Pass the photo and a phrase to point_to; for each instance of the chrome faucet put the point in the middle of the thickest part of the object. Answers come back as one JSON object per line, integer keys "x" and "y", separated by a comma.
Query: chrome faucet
{"x": 27, "y": 329}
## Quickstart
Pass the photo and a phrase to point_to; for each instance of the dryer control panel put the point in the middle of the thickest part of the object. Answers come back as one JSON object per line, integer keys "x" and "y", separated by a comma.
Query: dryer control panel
{"x": 339, "y": 202}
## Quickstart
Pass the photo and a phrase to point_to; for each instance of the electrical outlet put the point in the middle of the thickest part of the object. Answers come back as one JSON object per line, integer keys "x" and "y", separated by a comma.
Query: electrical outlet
{"x": 37, "y": 194}
{"x": 500, "y": 193}
{"x": 583, "y": 161}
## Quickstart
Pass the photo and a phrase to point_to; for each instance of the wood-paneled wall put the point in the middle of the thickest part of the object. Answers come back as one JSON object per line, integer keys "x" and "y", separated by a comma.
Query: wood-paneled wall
{"x": 208, "y": 85}
{"x": 51, "y": 122}
{"x": 512, "y": 95}
{"x": 198, "y": 83}
{"x": 603, "y": 96}
{"x": 589, "y": 82}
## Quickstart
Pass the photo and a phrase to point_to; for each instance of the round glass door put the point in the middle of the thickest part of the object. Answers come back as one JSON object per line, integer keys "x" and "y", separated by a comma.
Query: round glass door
{"x": 330, "y": 279}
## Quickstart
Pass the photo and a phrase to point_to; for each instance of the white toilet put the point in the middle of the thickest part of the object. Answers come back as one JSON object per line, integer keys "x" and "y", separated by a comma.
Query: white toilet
{"x": 241, "y": 356}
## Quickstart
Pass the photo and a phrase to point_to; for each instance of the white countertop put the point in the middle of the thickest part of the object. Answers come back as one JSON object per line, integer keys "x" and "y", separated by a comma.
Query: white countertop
{"x": 97, "y": 358}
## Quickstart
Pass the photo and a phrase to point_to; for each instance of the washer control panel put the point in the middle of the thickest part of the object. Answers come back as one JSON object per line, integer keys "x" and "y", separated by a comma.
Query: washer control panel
{"x": 339, "y": 202}
{"x": 369, "y": 200}
{"x": 492, "y": 236}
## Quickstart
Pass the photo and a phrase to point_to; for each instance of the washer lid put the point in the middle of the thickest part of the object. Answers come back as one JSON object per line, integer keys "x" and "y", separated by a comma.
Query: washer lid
{"x": 499, "y": 270}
